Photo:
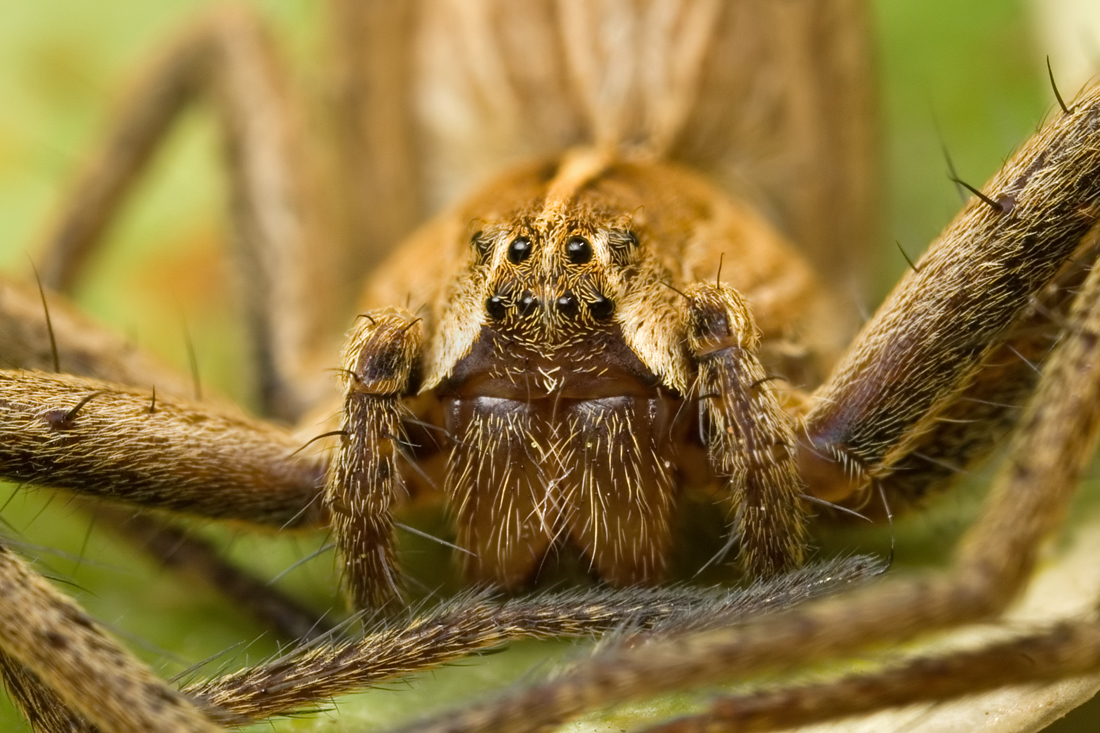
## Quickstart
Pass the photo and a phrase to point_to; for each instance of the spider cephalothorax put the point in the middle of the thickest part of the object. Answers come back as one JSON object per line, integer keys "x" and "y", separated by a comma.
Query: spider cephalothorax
{"x": 568, "y": 367}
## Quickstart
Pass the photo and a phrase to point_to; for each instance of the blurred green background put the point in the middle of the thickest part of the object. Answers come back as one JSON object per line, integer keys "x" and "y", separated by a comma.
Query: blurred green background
{"x": 967, "y": 76}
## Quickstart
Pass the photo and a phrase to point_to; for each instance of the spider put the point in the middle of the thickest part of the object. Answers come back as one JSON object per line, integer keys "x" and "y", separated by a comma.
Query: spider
{"x": 64, "y": 415}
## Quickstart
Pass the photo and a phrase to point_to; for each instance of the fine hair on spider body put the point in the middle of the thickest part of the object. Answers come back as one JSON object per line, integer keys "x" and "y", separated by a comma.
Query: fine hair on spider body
{"x": 595, "y": 267}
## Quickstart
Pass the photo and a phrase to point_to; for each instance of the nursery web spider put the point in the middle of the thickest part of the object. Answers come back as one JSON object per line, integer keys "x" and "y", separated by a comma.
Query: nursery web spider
{"x": 903, "y": 434}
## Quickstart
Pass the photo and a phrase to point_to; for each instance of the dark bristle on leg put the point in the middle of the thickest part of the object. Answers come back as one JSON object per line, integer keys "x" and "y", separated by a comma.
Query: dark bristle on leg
{"x": 633, "y": 342}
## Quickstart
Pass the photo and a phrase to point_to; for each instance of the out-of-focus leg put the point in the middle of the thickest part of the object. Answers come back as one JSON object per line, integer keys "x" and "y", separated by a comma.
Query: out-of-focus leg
{"x": 280, "y": 254}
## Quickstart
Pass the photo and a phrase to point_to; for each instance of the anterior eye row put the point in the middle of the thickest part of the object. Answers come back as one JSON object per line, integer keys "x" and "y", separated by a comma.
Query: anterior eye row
{"x": 496, "y": 308}
{"x": 601, "y": 308}
{"x": 527, "y": 303}
{"x": 567, "y": 304}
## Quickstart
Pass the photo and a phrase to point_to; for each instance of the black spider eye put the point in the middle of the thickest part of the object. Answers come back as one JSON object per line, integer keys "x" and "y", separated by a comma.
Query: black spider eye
{"x": 527, "y": 303}
{"x": 601, "y": 308}
{"x": 519, "y": 250}
{"x": 567, "y": 304}
{"x": 579, "y": 250}
{"x": 496, "y": 308}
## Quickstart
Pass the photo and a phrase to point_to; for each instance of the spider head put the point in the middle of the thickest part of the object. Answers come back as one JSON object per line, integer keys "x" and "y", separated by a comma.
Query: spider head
{"x": 564, "y": 270}
{"x": 550, "y": 284}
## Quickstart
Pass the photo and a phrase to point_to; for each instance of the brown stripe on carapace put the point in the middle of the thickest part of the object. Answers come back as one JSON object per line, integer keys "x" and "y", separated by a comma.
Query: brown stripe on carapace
{"x": 578, "y": 170}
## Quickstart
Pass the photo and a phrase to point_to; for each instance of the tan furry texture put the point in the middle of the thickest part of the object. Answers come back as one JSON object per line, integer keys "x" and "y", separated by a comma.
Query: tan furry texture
{"x": 613, "y": 304}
